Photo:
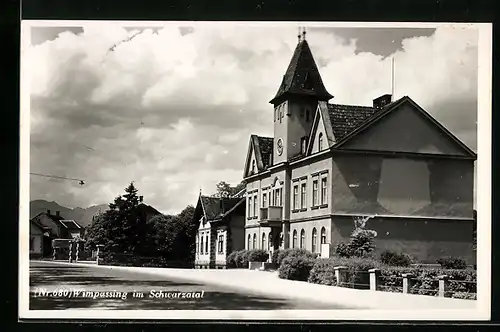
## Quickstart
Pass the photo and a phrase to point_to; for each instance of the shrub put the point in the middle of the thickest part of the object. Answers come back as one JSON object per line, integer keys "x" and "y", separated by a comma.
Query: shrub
{"x": 452, "y": 263}
{"x": 274, "y": 257}
{"x": 296, "y": 267}
{"x": 362, "y": 242}
{"x": 258, "y": 255}
{"x": 357, "y": 275}
{"x": 231, "y": 260}
{"x": 425, "y": 281}
{"x": 392, "y": 258}
{"x": 282, "y": 254}
{"x": 242, "y": 259}
{"x": 343, "y": 250}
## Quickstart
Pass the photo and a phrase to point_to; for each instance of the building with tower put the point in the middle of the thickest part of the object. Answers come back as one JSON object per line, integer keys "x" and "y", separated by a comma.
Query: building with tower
{"x": 328, "y": 163}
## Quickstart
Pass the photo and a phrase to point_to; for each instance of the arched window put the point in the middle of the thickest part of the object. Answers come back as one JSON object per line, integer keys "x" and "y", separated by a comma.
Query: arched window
{"x": 320, "y": 142}
{"x": 294, "y": 241}
{"x": 314, "y": 240}
{"x": 249, "y": 242}
{"x": 323, "y": 235}
{"x": 254, "y": 241}
{"x": 206, "y": 244}
{"x": 263, "y": 247}
{"x": 270, "y": 241}
{"x": 302, "y": 239}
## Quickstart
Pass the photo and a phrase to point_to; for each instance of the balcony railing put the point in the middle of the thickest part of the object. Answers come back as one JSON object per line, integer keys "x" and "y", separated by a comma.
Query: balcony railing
{"x": 271, "y": 213}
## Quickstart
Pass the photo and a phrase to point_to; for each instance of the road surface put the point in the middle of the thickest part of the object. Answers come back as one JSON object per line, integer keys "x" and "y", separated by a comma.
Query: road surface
{"x": 53, "y": 277}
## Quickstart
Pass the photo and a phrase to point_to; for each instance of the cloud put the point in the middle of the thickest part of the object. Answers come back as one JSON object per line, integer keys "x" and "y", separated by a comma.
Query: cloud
{"x": 172, "y": 109}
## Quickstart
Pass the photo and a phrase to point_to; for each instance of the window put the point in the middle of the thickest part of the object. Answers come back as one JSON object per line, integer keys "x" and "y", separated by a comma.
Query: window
{"x": 315, "y": 193}
{"x": 221, "y": 243}
{"x": 314, "y": 240}
{"x": 320, "y": 141}
{"x": 197, "y": 243}
{"x": 294, "y": 241}
{"x": 249, "y": 242}
{"x": 303, "y": 195}
{"x": 323, "y": 235}
{"x": 263, "y": 244}
{"x": 277, "y": 197}
{"x": 303, "y": 144}
{"x": 201, "y": 244}
{"x": 324, "y": 191}
{"x": 254, "y": 241}
{"x": 295, "y": 197}
{"x": 206, "y": 244}
{"x": 270, "y": 241}
{"x": 250, "y": 209}
{"x": 255, "y": 206}
{"x": 264, "y": 200}
{"x": 302, "y": 239}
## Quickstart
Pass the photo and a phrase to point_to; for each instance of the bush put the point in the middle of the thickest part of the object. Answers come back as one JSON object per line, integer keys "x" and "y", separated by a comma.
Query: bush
{"x": 296, "y": 267}
{"x": 357, "y": 275}
{"x": 452, "y": 263}
{"x": 231, "y": 260}
{"x": 295, "y": 252}
{"x": 274, "y": 257}
{"x": 242, "y": 259}
{"x": 425, "y": 281}
{"x": 362, "y": 242}
{"x": 258, "y": 255}
{"x": 392, "y": 258}
{"x": 343, "y": 250}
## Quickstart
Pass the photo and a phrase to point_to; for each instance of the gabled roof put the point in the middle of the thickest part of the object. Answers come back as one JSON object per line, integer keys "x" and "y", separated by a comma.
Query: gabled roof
{"x": 262, "y": 147}
{"x": 347, "y": 118}
{"x": 380, "y": 113}
{"x": 216, "y": 208}
{"x": 302, "y": 76}
{"x": 70, "y": 224}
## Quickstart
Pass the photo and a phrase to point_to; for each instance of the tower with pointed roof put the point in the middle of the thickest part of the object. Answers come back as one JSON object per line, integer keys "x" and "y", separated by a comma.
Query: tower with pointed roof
{"x": 295, "y": 103}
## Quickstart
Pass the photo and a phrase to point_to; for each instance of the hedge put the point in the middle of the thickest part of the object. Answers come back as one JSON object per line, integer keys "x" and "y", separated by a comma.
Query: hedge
{"x": 280, "y": 255}
{"x": 462, "y": 283}
{"x": 240, "y": 259}
{"x": 296, "y": 267}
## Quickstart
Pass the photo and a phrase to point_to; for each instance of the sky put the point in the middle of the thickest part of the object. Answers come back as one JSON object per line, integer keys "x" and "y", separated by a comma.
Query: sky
{"x": 172, "y": 108}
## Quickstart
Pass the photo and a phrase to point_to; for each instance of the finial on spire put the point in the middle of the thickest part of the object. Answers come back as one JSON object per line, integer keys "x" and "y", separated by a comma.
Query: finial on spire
{"x": 304, "y": 33}
{"x": 299, "y": 35}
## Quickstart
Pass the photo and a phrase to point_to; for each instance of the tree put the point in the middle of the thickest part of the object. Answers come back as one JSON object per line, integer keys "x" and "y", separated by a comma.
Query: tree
{"x": 225, "y": 190}
{"x": 120, "y": 229}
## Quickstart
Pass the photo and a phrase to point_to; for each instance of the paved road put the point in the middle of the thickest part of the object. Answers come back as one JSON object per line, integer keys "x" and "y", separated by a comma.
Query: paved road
{"x": 69, "y": 277}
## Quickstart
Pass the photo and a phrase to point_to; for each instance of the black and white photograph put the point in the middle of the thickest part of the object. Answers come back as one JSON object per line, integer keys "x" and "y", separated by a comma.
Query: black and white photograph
{"x": 255, "y": 170}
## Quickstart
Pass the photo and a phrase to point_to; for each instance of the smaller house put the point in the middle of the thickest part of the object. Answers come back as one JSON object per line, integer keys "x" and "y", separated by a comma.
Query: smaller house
{"x": 221, "y": 229}
{"x": 71, "y": 229}
{"x": 40, "y": 240}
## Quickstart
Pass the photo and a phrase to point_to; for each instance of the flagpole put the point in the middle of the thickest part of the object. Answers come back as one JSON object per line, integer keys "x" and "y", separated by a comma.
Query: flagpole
{"x": 392, "y": 79}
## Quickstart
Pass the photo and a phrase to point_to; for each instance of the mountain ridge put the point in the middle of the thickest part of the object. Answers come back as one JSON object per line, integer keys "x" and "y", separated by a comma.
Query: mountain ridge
{"x": 82, "y": 216}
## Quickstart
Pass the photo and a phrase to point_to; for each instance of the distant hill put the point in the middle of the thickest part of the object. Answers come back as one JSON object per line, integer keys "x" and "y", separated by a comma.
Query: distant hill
{"x": 80, "y": 215}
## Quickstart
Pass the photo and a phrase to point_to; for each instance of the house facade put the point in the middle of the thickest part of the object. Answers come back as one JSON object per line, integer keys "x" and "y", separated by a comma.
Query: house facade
{"x": 328, "y": 163}
{"x": 221, "y": 229}
{"x": 40, "y": 239}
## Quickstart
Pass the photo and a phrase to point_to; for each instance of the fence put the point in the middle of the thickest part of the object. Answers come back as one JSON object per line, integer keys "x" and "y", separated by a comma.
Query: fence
{"x": 442, "y": 286}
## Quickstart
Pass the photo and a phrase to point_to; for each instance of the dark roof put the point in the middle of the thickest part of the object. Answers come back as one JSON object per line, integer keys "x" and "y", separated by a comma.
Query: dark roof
{"x": 266, "y": 149}
{"x": 347, "y": 118}
{"x": 70, "y": 224}
{"x": 302, "y": 76}
{"x": 214, "y": 207}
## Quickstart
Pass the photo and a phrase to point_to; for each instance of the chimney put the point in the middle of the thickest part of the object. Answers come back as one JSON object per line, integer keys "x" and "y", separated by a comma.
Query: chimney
{"x": 58, "y": 213}
{"x": 141, "y": 198}
{"x": 48, "y": 212}
{"x": 382, "y": 101}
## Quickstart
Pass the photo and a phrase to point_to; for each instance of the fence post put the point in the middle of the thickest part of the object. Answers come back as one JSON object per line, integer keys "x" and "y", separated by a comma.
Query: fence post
{"x": 54, "y": 253}
{"x": 70, "y": 252}
{"x": 340, "y": 274}
{"x": 407, "y": 282}
{"x": 374, "y": 274}
{"x": 443, "y": 285}
{"x": 98, "y": 253}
